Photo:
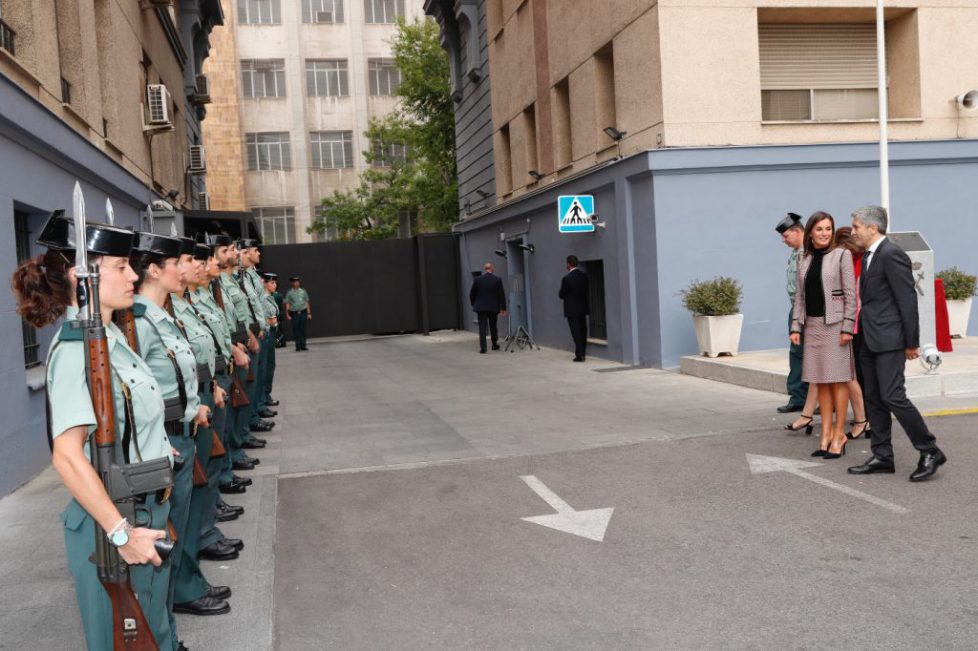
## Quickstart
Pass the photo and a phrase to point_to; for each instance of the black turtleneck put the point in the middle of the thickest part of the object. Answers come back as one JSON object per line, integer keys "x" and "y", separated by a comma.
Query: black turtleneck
{"x": 814, "y": 294}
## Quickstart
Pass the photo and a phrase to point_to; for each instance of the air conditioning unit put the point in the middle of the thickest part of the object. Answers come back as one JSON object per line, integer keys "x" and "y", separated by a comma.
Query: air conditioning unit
{"x": 158, "y": 105}
{"x": 324, "y": 16}
{"x": 202, "y": 93}
{"x": 204, "y": 200}
{"x": 197, "y": 159}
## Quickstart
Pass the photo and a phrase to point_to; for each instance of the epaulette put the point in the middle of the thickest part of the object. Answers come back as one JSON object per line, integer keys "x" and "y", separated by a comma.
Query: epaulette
{"x": 71, "y": 331}
{"x": 138, "y": 309}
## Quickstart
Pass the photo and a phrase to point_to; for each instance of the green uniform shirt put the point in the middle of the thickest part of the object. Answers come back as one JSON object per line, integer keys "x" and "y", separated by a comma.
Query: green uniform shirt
{"x": 297, "y": 299}
{"x": 201, "y": 341}
{"x": 792, "y": 272}
{"x": 157, "y": 332}
{"x": 234, "y": 296}
{"x": 216, "y": 318}
{"x": 255, "y": 290}
{"x": 271, "y": 306}
{"x": 278, "y": 302}
{"x": 71, "y": 401}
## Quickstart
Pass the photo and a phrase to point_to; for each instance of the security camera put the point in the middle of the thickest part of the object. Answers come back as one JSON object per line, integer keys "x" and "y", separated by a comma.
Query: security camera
{"x": 967, "y": 100}
{"x": 594, "y": 219}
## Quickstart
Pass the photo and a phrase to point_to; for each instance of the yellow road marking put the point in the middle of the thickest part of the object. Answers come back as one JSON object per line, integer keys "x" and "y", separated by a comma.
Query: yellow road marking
{"x": 951, "y": 412}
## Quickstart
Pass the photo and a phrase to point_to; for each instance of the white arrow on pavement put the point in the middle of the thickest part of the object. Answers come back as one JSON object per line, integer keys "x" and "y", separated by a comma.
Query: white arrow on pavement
{"x": 589, "y": 524}
{"x": 760, "y": 465}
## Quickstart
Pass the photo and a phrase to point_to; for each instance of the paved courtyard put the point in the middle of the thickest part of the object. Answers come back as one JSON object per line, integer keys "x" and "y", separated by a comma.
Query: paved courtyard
{"x": 390, "y": 512}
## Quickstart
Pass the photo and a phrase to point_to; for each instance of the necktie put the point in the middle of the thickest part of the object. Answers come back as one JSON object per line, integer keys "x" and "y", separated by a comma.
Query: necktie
{"x": 866, "y": 261}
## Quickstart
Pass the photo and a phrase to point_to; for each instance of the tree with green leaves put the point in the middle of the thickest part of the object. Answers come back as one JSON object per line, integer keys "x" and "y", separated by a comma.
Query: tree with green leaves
{"x": 412, "y": 157}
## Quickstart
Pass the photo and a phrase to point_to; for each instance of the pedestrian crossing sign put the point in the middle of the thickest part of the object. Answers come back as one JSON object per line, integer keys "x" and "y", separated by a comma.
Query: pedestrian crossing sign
{"x": 574, "y": 213}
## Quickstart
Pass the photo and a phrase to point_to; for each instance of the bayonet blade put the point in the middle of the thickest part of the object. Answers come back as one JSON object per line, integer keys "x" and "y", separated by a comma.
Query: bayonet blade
{"x": 109, "y": 212}
{"x": 78, "y": 214}
{"x": 149, "y": 216}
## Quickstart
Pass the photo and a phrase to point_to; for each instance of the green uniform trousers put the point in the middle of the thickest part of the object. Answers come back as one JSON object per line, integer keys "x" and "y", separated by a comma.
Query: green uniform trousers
{"x": 267, "y": 354}
{"x": 179, "y": 512}
{"x": 797, "y": 390}
{"x": 270, "y": 364}
{"x": 242, "y": 417}
{"x": 149, "y": 583}
{"x": 216, "y": 466}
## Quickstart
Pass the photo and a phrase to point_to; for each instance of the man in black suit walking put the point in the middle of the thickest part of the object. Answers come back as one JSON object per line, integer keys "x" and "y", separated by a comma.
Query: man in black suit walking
{"x": 574, "y": 292}
{"x": 888, "y": 323}
{"x": 488, "y": 299}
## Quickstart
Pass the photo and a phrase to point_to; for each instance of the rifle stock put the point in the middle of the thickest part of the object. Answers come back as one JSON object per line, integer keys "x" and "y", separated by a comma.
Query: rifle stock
{"x": 217, "y": 448}
{"x": 200, "y": 477}
{"x": 130, "y": 630}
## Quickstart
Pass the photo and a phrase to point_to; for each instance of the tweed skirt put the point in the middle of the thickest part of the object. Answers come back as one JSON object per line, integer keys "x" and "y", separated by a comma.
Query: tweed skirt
{"x": 824, "y": 360}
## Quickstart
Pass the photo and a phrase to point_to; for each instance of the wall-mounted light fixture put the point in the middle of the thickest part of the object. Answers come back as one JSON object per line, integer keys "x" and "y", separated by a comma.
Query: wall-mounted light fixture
{"x": 617, "y": 136}
{"x": 535, "y": 174}
{"x": 501, "y": 253}
{"x": 527, "y": 247}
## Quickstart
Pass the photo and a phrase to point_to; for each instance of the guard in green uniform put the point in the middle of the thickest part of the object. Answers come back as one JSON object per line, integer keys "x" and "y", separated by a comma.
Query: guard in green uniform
{"x": 193, "y": 594}
{"x": 45, "y": 290}
{"x": 298, "y": 310}
{"x": 162, "y": 341}
{"x": 272, "y": 308}
{"x": 251, "y": 285}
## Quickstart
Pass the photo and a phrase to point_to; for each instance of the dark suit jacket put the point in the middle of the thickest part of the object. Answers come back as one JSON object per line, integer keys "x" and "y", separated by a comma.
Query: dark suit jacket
{"x": 487, "y": 294}
{"x": 574, "y": 291}
{"x": 888, "y": 317}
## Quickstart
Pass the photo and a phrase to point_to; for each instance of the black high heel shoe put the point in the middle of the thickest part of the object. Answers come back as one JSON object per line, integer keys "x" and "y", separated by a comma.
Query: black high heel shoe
{"x": 833, "y": 455}
{"x": 863, "y": 433}
{"x": 808, "y": 427}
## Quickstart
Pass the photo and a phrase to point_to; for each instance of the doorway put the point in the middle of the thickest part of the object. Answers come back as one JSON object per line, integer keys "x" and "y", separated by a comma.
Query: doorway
{"x": 516, "y": 284}
{"x": 597, "y": 322}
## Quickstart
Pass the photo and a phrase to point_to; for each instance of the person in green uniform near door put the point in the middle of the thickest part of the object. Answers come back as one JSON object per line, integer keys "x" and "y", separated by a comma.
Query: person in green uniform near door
{"x": 298, "y": 310}
{"x": 158, "y": 262}
{"x": 45, "y": 289}
{"x": 273, "y": 307}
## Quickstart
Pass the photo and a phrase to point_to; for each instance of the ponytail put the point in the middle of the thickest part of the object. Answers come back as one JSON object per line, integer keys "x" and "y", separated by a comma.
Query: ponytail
{"x": 42, "y": 288}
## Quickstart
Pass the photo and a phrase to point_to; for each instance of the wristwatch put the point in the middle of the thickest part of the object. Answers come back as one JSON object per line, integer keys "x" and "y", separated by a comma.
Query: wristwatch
{"x": 120, "y": 536}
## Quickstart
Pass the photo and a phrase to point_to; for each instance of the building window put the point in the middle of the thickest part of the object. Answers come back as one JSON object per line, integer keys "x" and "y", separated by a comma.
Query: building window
{"x": 331, "y": 149}
{"x": 268, "y": 151}
{"x": 812, "y": 72}
{"x": 604, "y": 92}
{"x": 65, "y": 91}
{"x": 387, "y": 154}
{"x": 530, "y": 141}
{"x": 327, "y": 78}
{"x": 6, "y": 36}
{"x": 22, "y": 234}
{"x": 263, "y": 77}
{"x": 322, "y": 11}
{"x": 384, "y": 76}
{"x": 563, "y": 151}
{"x": 260, "y": 12}
{"x": 504, "y": 162}
{"x": 277, "y": 225}
{"x": 383, "y": 11}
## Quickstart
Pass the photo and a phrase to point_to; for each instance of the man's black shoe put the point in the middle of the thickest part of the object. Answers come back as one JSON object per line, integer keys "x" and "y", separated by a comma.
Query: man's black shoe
{"x": 243, "y": 481}
{"x": 255, "y": 439}
{"x": 268, "y": 413}
{"x": 219, "y": 591}
{"x": 873, "y": 466}
{"x": 224, "y": 506}
{"x": 240, "y": 464}
{"x": 495, "y": 346}
{"x": 272, "y": 403}
{"x": 181, "y": 646}
{"x": 252, "y": 444}
{"x": 218, "y": 552}
{"x": 928, "y": 465}
{"x": 260, "y": 426}
{"x": 225, "y": 516}
{"x": 232, "y": 488}
{"x": 269, "y": 423}
{"x": 482, "y": 352}
{"x": 206, "y": 605}
{"x": 237, "y": 543}
{"x": 789, "y": 408}
{"x": 578, "y": 359}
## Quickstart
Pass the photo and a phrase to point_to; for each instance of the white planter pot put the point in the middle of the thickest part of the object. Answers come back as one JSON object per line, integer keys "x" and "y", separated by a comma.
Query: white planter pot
{"x": 718, "y": 334}
{"x": 957, "y": 317}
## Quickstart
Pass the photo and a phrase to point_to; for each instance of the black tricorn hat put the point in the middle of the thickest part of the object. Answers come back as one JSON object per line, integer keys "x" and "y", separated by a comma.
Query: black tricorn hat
{"x": 294, "y": 278}
{"x": 58, "y": 234}
{"x": 790, "y": 221}
{"x": 186, "y": 246}
{"x": 217, "y": 239}
{"x": 202, "y": 251}
{"x": 268, "y": 276}
{"x": 247, "y": 243}
{"x": 161, "y": 245}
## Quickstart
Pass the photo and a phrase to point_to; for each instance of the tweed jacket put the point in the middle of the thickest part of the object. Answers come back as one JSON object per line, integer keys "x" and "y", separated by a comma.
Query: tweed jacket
{"x": 839, "y": 285}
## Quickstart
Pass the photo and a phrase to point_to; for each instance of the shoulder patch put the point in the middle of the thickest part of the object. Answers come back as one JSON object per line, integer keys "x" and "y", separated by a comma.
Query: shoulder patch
{"x": 138, "y": 309}
{"x": 71, "y": 331}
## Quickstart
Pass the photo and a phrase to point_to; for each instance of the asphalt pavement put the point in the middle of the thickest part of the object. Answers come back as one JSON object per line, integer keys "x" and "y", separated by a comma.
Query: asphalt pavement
{"x": 390, "y": 512}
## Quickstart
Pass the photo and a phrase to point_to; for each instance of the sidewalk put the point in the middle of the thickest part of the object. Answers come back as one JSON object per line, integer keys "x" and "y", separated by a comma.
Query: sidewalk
{"x": 378, "y": 404}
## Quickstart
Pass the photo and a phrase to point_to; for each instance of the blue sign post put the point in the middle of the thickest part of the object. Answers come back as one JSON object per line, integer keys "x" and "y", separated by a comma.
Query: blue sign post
{"x": 574, "y": 213}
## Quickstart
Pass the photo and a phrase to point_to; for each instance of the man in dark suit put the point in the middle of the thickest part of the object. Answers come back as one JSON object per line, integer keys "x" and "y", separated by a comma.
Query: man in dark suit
{"x": 488, "y": 299}
{"x": 888, "y": 323}
{"x": 574, "y": 292}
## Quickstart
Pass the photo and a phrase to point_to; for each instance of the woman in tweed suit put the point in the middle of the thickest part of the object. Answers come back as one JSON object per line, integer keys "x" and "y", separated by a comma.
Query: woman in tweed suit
{"x": 825, "y": 310}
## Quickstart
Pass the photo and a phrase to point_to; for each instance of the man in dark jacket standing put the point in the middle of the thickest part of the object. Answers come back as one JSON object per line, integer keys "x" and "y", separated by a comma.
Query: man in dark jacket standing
{"x": 574, "y": 292}
{"x": 488, "y": 299}
{"x": 888, "y": 322}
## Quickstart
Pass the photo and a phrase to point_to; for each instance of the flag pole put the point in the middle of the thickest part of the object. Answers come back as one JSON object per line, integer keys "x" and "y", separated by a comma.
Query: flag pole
{"x": 883, "y": 109}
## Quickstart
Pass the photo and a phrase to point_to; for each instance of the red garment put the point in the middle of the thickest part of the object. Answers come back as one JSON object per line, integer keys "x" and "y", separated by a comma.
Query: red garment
{"x": 941, "y": 319}
{"x": 857, "y": 263}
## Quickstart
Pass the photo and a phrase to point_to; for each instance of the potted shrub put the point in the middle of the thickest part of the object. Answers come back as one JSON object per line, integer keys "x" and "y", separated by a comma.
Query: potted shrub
{"x": 959, "y": 287}
{"x": 715, "y": 305}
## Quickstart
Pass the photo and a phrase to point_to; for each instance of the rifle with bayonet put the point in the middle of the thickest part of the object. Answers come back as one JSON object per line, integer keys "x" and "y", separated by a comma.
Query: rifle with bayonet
{"x": 125, "y": 484}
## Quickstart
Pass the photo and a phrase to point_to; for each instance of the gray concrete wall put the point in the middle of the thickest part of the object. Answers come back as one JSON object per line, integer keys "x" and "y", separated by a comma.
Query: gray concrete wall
{"x": 41, "y": 159}
{"x": 675, "y": 216}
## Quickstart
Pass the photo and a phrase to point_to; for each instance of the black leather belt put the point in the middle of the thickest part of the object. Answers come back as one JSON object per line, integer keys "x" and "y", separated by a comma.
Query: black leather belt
{"x": 204, "y": 373}
{"x": 220, "y": 364}
{"x": 172, "y": 410}
{"x": 239, "y": 336}
{"x": 173, "y": 427}
{"x": 255, "y": 329}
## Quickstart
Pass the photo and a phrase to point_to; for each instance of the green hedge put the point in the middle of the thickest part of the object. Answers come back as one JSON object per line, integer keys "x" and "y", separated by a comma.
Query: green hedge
{"x": 718, "y": 297}
{"x": 958, "y": 286}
